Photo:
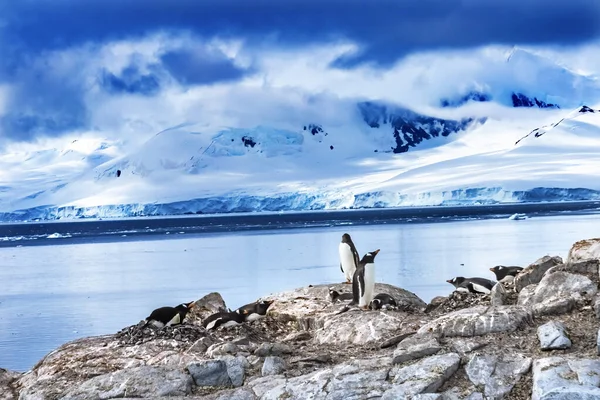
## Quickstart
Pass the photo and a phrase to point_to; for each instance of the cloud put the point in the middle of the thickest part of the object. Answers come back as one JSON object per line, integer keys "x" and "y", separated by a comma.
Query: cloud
{"x": 386, "y": 30}
{"x": 200, "y": 67}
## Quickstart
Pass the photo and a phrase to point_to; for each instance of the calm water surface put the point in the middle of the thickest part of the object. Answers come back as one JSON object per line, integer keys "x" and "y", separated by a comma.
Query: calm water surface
{"x": 55, "y": 293}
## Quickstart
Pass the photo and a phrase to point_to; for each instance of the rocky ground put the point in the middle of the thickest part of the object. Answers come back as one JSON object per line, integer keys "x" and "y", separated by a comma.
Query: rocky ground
{"x": 536, "y": 338}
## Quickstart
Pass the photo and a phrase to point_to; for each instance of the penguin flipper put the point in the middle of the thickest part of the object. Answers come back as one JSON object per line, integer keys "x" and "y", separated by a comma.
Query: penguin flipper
{"x": 342, "y": 269}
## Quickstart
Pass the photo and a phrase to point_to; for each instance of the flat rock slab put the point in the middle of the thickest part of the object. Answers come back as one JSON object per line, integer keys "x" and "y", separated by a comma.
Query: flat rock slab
{"x": 363, "y": 327}
{"x": 497, "y": 374}
{"x": 358, "y": 379}
{"x": 306, "y": 304}
{"x": 133, "y": 382}
{"x": 553, "y": 336}
{"x": 478, "y": 321}
{"x": 417, "y": 346}
{"x": 560, "y": 378}
{"x": 424, "y": 376}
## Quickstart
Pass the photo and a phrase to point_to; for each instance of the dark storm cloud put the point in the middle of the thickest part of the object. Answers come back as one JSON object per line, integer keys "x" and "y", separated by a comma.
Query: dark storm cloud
{"x": 387, "y": 29}
{"x": 199, "y": 67}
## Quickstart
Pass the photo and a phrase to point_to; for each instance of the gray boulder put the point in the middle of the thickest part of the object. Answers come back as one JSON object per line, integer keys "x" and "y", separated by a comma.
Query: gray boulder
{"x": 306, "y": 306}
{"x": 220, "y": 349}
{"x": 479, "y": 320}
{"x": 596, "y": 305}
{"x": 272, "y": 349}
{"x": 498, "y": 295}
{"x": 557, "y": 293}
{"x": 553, "y": 336}
{"x": 210, "y": 373}
{"x": 465, "y": 346}
{"x": 557, "y": 378}
{"x": 417, "y": 346}
{"x": 7, "y": 381}
{"x": 357, "y": 379}
{"x": 584, "y": 250}
{"x": 133, "y": 382}
{"x": 497, "y": 374}
{"x": 363, "y": 327}
{"x": 424, "y": 376}
{"x": 236, "y": 368}
{"x": 273, "y": 365}
{"x": 534, "y": 272}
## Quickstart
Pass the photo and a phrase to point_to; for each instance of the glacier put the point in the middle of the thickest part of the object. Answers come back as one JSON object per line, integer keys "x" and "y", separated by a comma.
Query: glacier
{"x": 304, "y": 202}
{"x": 474, "y": 147}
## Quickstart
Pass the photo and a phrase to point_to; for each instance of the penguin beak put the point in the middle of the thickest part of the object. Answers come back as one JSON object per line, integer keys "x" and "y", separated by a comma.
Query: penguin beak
{"x": 492, "y": 269}
{"x": 449, "y": 280}
{"x": 190, "y": 305}
{"x": 375, "y": 252}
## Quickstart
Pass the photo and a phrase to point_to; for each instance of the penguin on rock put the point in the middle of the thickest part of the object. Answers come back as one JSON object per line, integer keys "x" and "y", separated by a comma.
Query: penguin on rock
{"x": 472, "y": 285}
{"x": 254, "y": 311}
{"x": 363, "y": 281}
{"x": 349, "y": 258}
{"x": 506, "y": 274}
{"x": 168, "y": 316}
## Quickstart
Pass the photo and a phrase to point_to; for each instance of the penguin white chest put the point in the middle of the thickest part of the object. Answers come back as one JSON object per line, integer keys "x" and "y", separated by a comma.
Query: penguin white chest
{"x": 347, "y": 260}
{"x": 369, "y": 279}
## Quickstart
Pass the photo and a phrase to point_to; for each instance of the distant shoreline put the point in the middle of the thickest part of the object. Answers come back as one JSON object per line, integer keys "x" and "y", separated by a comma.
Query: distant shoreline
{"x": 79, "y": 230}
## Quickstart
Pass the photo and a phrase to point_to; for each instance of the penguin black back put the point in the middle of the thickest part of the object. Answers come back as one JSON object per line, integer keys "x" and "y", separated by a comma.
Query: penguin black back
{"x": 170, "y": 315}
{"x": 461, "y": 281}
{"x": 348, "y": 240}
{"x": 358, "y": 280}
{"x": 254, "y": 311}
{"x": 222, "y": 318}
{"x": 334, "y": 295}
{"x": 505, "y": 273}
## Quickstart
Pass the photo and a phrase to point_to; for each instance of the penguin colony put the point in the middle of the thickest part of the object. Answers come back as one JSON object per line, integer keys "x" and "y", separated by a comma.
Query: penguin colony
{"x": 359, "y": 272}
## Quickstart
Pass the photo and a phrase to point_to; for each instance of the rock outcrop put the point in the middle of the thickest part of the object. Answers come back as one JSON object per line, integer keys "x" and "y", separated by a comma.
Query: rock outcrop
{"x": 463, "y": 346}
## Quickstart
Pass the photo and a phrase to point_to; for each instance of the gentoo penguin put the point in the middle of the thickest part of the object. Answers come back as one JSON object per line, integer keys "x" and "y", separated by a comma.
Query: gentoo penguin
{"x": 224, "y": 319}
{"x": 479, "y": 285}
{"x": 167, "y": 316}
{"x": 349, "y": 258}
{"x": 334, "y": 295}
{"x": 363, "y": 281}
{"x": 505, "y": 274}
{"x": 254, "y": 311}
{"x": 383, "y": 301}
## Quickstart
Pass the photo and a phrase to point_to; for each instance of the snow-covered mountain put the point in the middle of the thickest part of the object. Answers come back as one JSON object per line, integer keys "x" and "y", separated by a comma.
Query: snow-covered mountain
{"x": 473, "y": 148}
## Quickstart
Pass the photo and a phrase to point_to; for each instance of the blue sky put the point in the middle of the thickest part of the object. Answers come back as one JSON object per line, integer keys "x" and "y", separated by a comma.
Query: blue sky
{"x": 63, "y": 60}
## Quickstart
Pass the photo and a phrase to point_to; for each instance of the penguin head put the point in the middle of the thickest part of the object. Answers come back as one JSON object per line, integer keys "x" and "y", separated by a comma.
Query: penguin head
{"x": 333, "y": 294}
{"x": 262, "y": 306}
{"x": 185, "y": 306}
{"x": 375, "y": 304}
{"x": 369, "y": 258}
{"x": 456, "y": 281}
{"x": 346, "y": 238}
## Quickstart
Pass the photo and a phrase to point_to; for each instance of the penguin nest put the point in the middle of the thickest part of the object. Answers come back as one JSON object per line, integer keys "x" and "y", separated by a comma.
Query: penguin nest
{"x": 139, "y": 334}
{"x": 459, "y": 300}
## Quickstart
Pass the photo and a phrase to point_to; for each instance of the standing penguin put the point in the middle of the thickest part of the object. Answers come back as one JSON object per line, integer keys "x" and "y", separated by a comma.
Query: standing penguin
{"x": 167, "y": 316}
{"x": 349, "y": 258}
{"x": 363, "y": 281}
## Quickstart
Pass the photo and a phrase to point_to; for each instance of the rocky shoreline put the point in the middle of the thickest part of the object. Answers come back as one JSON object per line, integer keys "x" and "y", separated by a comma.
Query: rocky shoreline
{"x": 536, "y": 338}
